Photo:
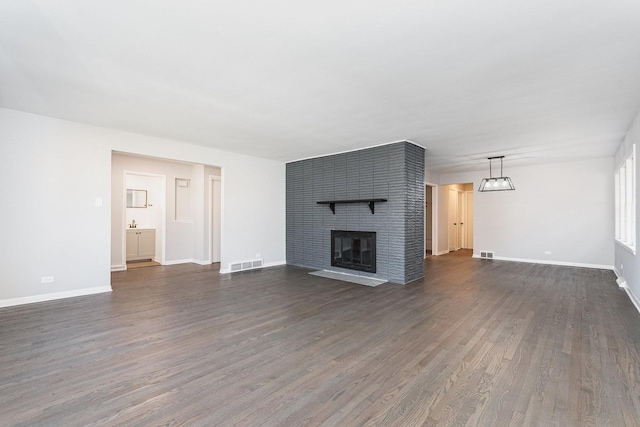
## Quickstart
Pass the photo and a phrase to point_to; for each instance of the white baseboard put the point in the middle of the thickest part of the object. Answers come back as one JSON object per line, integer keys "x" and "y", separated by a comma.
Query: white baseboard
{"x": 541, "y": 261}
{"x": 188, "y": 261}
{"x": 622, "y": 282}
{"x": 265, "y": 265}
{"x": 179, "y": 261}
{"x": 441, "y": 253}
{"x": 274, "y": 264}
{"x": 54, "y": 296}
{"x": 172, "y": 262}
{"x": 632, "y": 297}
{"x": 618, "y": 275}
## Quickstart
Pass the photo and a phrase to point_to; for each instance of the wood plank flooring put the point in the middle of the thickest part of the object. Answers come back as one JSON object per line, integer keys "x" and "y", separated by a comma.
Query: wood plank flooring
{"x": 476, "y": 343}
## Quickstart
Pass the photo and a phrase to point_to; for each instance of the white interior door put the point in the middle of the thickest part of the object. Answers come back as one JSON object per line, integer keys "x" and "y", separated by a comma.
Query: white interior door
{"x": 460, "y": 241}
{"x": 453, "y": 220}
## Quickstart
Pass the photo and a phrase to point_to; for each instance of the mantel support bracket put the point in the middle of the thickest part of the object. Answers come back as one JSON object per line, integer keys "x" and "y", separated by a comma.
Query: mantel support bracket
{"x": 370, "y": 202}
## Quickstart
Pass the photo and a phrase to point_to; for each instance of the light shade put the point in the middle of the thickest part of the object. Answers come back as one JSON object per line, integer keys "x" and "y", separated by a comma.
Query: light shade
{"x": 496, "y": 184}
{"x": 502, "y": 183}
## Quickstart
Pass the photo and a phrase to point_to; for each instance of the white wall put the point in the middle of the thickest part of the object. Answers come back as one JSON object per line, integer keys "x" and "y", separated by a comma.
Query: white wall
{"x": 573, "y": 221}
{"x": 626, "y": 263}
{"x": 52, "y": 172}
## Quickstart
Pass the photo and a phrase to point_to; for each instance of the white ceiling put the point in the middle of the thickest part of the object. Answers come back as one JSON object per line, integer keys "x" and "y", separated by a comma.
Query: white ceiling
{"x": 538, "y": 81}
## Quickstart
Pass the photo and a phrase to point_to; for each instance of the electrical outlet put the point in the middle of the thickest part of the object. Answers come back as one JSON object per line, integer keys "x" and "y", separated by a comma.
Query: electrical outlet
{"x": 547, "y": 252}
{"x": 258, "y": 255}
{"x": 621, "y": 267}
{"x": 46, "y": 279}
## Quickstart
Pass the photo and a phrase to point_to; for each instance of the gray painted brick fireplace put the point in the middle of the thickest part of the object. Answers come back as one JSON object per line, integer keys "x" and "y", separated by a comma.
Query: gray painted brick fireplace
{"x": 394, "y": 172}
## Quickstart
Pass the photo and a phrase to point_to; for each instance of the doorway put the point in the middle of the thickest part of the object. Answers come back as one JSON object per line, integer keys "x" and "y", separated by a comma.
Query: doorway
{"x": 179, "y": 211}
{"x": 429, "y": 216}
{"x": 454, "y": 220}
{"x": 459, "y": 214}
{"x": 144, "y": 231}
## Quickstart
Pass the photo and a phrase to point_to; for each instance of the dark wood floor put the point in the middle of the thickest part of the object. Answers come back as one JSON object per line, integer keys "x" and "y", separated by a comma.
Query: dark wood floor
{"x": 476, "y": 343}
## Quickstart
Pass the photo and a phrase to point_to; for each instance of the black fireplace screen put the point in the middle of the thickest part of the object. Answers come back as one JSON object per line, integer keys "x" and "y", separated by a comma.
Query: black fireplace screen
{"x": 354, "y": 249}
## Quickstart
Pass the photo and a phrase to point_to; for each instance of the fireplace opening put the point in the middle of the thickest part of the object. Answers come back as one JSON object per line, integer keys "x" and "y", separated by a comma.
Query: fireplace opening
{"x": 355, "y": 250}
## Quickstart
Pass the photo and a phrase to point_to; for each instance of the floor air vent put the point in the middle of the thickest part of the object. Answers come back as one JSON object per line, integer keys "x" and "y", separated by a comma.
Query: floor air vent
{"x": 245, "y": 265}
{"x": 486, "y": 255}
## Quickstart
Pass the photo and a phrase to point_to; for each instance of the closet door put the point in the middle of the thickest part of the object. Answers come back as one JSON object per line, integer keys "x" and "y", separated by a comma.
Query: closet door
{"x": 453, "y": 220}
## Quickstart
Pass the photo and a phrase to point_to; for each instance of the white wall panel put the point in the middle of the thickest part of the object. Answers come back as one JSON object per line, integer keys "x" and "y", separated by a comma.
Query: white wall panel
{"x": 564, "y": 208}
{"x": 54, "y": 170}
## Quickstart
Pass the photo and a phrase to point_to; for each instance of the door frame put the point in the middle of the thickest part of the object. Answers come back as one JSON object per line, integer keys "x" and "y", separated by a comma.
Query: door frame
{"x": 434, "y": 219}
{"x": 212, "y": 179}
{"x": 468, "y": 220}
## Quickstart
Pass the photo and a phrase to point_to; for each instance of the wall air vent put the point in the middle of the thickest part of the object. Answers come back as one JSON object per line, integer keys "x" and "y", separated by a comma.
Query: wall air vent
{"x": 486, "y": 255}
{"x": 246, "y": 265}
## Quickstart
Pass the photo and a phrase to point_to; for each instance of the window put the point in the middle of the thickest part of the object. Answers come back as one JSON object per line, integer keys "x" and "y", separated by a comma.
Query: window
{"x": 625, "y": 199}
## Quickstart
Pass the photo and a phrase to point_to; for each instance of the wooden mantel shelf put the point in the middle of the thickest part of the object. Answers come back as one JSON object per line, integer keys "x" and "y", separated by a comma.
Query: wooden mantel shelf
{"x": 332, "y": 203}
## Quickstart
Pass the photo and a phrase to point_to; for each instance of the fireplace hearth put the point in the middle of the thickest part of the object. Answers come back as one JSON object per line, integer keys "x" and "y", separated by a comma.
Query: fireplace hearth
{"x": 355, "y": 250}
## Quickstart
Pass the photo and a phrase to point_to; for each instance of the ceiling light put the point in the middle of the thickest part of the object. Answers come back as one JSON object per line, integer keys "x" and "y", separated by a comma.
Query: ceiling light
{"x": 502, "y": 183}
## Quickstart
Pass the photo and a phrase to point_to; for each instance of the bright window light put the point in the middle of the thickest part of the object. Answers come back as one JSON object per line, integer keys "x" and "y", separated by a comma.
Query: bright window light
{"x": 625, "y": 202}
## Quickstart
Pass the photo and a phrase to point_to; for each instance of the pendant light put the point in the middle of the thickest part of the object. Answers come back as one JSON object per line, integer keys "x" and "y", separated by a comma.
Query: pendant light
{"x": 502, "y": 183}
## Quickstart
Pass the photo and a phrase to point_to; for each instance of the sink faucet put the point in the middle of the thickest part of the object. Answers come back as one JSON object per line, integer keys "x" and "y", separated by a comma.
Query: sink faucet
{"x": 133, "y": 224}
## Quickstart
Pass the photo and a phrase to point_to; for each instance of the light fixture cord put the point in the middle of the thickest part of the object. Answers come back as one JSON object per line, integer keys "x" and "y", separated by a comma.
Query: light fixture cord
{"x": 490, "y": 172}
{"x": 501, "y": 174}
